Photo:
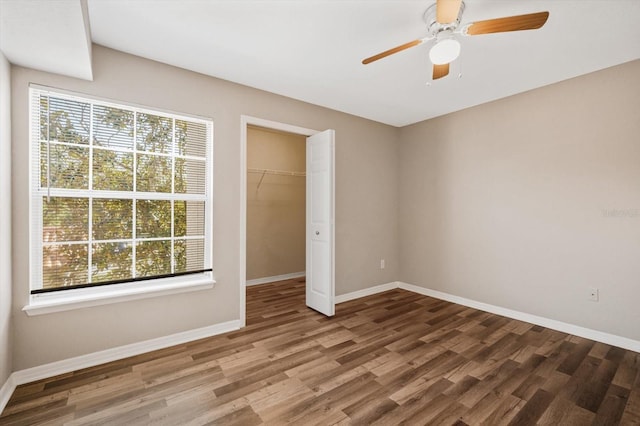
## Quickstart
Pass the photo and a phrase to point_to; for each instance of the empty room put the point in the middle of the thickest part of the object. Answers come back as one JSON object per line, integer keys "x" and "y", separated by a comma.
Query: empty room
{"x": 319, "y": 212}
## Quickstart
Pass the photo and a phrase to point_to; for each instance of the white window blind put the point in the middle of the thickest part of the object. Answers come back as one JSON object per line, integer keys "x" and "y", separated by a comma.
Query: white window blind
{"x": 119, "y": 193}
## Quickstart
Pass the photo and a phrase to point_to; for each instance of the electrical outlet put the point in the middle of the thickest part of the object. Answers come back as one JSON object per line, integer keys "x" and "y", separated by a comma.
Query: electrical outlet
{"x": 382, "y": 263}
{"x": 594, "y": 294}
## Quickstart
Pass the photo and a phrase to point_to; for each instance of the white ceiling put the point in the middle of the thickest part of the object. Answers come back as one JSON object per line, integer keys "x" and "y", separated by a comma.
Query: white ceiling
{"x": 312, "y": 50}
{"x": 46, "y": 35}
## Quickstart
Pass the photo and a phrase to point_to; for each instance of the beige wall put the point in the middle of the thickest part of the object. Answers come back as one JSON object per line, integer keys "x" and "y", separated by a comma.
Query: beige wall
{"x": 366, "y": 203}
{"x": 275, "y": 204}
{"x": 523, "y": 203}
{"x": 528, "y": 201}
{"x": 6, "y": 332}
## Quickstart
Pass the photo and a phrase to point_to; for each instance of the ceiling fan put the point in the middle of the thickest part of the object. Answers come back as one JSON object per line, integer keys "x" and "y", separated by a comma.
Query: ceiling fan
{"x": 443, "y": 24}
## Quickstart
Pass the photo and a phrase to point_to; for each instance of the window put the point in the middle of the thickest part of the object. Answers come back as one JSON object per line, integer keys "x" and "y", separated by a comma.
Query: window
{"x": 119, "y": 194}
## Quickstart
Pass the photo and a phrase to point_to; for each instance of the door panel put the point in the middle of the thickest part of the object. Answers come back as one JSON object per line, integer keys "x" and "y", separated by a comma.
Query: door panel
{"x": 320, "y": 290}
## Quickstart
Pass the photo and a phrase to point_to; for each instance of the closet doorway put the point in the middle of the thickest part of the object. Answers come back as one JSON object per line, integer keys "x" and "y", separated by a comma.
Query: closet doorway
{"x": 276, "y": 200}
{"x": 287, "y": 210}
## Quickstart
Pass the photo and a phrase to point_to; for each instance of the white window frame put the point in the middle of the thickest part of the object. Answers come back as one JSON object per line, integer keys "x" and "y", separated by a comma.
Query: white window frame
{"x": 74, "y": 298}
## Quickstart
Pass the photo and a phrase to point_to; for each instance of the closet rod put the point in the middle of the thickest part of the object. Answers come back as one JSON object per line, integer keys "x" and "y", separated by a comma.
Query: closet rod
{"x": 276, "y": 172}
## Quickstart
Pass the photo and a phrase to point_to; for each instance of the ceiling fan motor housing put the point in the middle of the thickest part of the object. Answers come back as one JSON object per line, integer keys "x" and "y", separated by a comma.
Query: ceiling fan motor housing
{"x": 434, "y": 27}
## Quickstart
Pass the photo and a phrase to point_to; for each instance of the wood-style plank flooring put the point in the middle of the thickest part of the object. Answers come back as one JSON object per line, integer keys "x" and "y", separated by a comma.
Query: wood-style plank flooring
{"x": 395, "y": 357}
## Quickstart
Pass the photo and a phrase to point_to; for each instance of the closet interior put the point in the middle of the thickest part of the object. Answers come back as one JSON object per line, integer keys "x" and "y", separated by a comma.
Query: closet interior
{"x": 276, "y": 197}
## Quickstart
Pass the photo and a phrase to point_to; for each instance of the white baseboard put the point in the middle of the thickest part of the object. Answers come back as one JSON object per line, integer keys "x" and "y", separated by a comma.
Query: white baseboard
{"x": 576, "y": 330}
{"x": 96, "y": 358}
{"x": 366, "y": 292}
{"x": 266, "y": 280}
{"x": 6, "y": 391}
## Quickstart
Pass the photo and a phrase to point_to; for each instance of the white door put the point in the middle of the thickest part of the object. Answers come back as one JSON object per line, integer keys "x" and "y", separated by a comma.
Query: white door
{"x": 320, "y": 222}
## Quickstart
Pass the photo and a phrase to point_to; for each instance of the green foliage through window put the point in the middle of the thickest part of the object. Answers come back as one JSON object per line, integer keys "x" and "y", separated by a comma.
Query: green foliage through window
{"x": 122, "y": 193}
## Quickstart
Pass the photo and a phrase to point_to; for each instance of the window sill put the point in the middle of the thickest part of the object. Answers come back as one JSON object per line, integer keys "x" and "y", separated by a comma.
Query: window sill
{"x": 47, "y": 303}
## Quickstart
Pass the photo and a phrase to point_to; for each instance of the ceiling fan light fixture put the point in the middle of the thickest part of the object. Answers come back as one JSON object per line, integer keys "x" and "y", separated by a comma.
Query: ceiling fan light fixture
{"x": 444, "y": 51}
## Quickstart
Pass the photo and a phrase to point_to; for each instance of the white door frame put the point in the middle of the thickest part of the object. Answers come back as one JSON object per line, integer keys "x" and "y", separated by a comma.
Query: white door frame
{"x": 246, "y": 120}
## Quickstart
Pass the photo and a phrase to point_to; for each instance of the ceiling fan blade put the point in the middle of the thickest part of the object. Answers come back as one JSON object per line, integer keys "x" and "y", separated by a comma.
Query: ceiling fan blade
{"x": 440, "y": 71}
{"x": 531, "y": 21}
{"x": 392, "y": 51}
{"x": 447, "y": 11}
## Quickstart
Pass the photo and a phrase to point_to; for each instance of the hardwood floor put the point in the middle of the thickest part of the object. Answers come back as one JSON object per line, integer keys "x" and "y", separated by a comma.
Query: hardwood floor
{"x": 396, "y": 357}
